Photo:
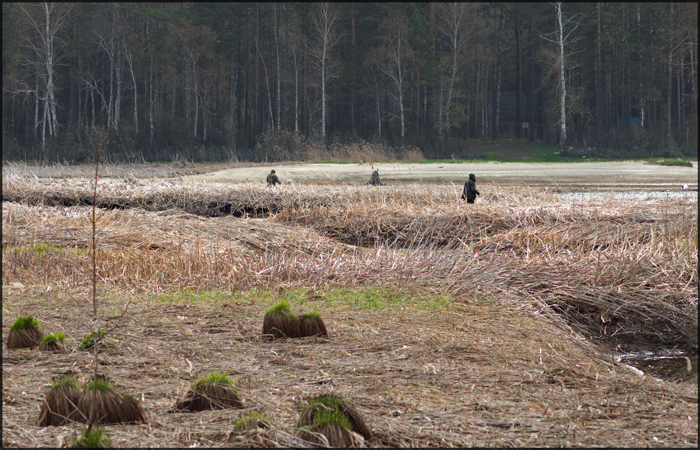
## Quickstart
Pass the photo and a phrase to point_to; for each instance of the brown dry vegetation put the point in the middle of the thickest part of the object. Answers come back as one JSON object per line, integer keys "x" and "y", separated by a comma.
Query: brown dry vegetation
{"x": 489, "y": 324}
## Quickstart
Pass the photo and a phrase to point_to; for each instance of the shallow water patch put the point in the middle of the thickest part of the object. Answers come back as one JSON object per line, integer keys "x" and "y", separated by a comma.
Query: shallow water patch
{"x": 641, "y": 195}
{"x": 668, "y": 365}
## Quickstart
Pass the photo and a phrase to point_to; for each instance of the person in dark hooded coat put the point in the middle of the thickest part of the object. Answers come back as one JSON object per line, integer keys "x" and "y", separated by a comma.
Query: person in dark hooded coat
{"x": 375, "y": 179}
{"x": 272, "y": 179}
{"x": 470, "y": 191}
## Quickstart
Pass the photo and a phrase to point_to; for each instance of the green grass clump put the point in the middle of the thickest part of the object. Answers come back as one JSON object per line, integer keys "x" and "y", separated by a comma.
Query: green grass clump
{"x": 92, "y": 437}
{"x": 252, "y": 420}
{"x": 671, "y": 162}
{"x": 311, "y": 315}
{"x": 333, "y": 417}
{"x": 65, "y": 383}
{"x": 100, "y": 384}
{"x": 280, "y": 309}
{"x": 215, "y": 378}
{"x": 25, "y": 323}
{"x": 330, "y": 401}
{"x": 194, "y": 296}
{"x": 212, "y": 391}
{"x": 53, "y": 337}
{"x": 330, "y": 416}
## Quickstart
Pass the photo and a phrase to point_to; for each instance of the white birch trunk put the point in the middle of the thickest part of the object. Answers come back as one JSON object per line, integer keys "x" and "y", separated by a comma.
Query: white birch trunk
{"x": 92, "y": 99}
{"x": 267, "y": 84}
{"x": 562, "y": 81}
{"x": 498, "y": 97}
{"x": 36, "y": 109}
{"x": 277, "y": 49}
{"x": 296, "y": 94}
{"x": 43, "y": 131}
{"x": 150, "y": 102}
{"x": 324, "y": 21}
{"x": 50, "y": 93}
{"x": 400, "y": 83}
{"x": 118, "y": 88}
{"x": 204, "y": 121}
{"x": 136, "y": 94}
{"x": 323, "y": 94}
{"x": 379, "y": 112}
{"x": 187, "y": 91}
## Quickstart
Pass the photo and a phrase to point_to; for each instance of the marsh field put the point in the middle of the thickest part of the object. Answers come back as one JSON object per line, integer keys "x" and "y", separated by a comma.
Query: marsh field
{"x": 495, "y": 324}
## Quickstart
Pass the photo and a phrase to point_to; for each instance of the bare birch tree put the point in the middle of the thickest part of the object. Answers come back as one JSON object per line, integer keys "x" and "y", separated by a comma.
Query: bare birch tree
{"x": 454, "y": 23}
{"x": 566, "y": 25}
{"x": 326, "y": 37}
{"x": 393, "y": 58}
{"x": 45, "y": 20}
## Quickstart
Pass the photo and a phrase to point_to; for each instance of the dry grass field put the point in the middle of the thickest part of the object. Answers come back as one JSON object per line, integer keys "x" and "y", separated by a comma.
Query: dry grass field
{"x": 449, "y": 325}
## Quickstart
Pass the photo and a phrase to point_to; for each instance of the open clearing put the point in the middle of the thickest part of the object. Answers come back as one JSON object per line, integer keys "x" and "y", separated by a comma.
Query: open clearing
{"x": 634, "y": 174}
{"x": 491, "y": 324}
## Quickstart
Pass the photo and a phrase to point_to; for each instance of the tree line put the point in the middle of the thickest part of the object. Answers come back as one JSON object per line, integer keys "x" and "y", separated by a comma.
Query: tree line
{"x": 233, "y": 80}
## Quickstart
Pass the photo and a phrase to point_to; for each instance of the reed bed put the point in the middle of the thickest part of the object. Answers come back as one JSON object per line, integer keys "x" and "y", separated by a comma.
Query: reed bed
{"x": 611, "y": 266}
{"x": 541, "y": 289}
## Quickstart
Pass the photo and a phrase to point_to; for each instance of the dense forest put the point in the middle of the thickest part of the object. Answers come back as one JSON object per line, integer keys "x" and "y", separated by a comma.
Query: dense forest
{"x": 284, "y": 81}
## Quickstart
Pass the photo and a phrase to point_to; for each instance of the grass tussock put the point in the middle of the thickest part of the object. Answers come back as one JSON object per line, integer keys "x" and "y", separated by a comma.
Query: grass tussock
{"x": 53, "y": 342}
{"x": 102, "y": 403}
{"x": 212, "y": 391}
{"x": 60, "y": 404}
{"x": 251, "y": 421}
{"x": 25, "y": 332}
{"x": 280, "y": 322}
{"x": 329, "y": 420}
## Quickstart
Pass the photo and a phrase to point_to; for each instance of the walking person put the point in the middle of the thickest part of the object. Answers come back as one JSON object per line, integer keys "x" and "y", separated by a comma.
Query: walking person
{"x": 272, "y": 179}
{"x": 470, "y": 191}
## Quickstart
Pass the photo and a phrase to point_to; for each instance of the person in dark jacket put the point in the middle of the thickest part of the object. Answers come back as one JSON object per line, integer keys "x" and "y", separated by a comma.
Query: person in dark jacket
{"x": 375, "y": 179}
{"x": 272, "y": 179}
{"x": 470, "y": 191}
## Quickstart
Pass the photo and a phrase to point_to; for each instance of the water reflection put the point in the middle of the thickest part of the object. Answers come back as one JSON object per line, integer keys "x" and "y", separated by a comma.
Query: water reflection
{"x": 642, "y": 195}
{"x": 666, "y": 367}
